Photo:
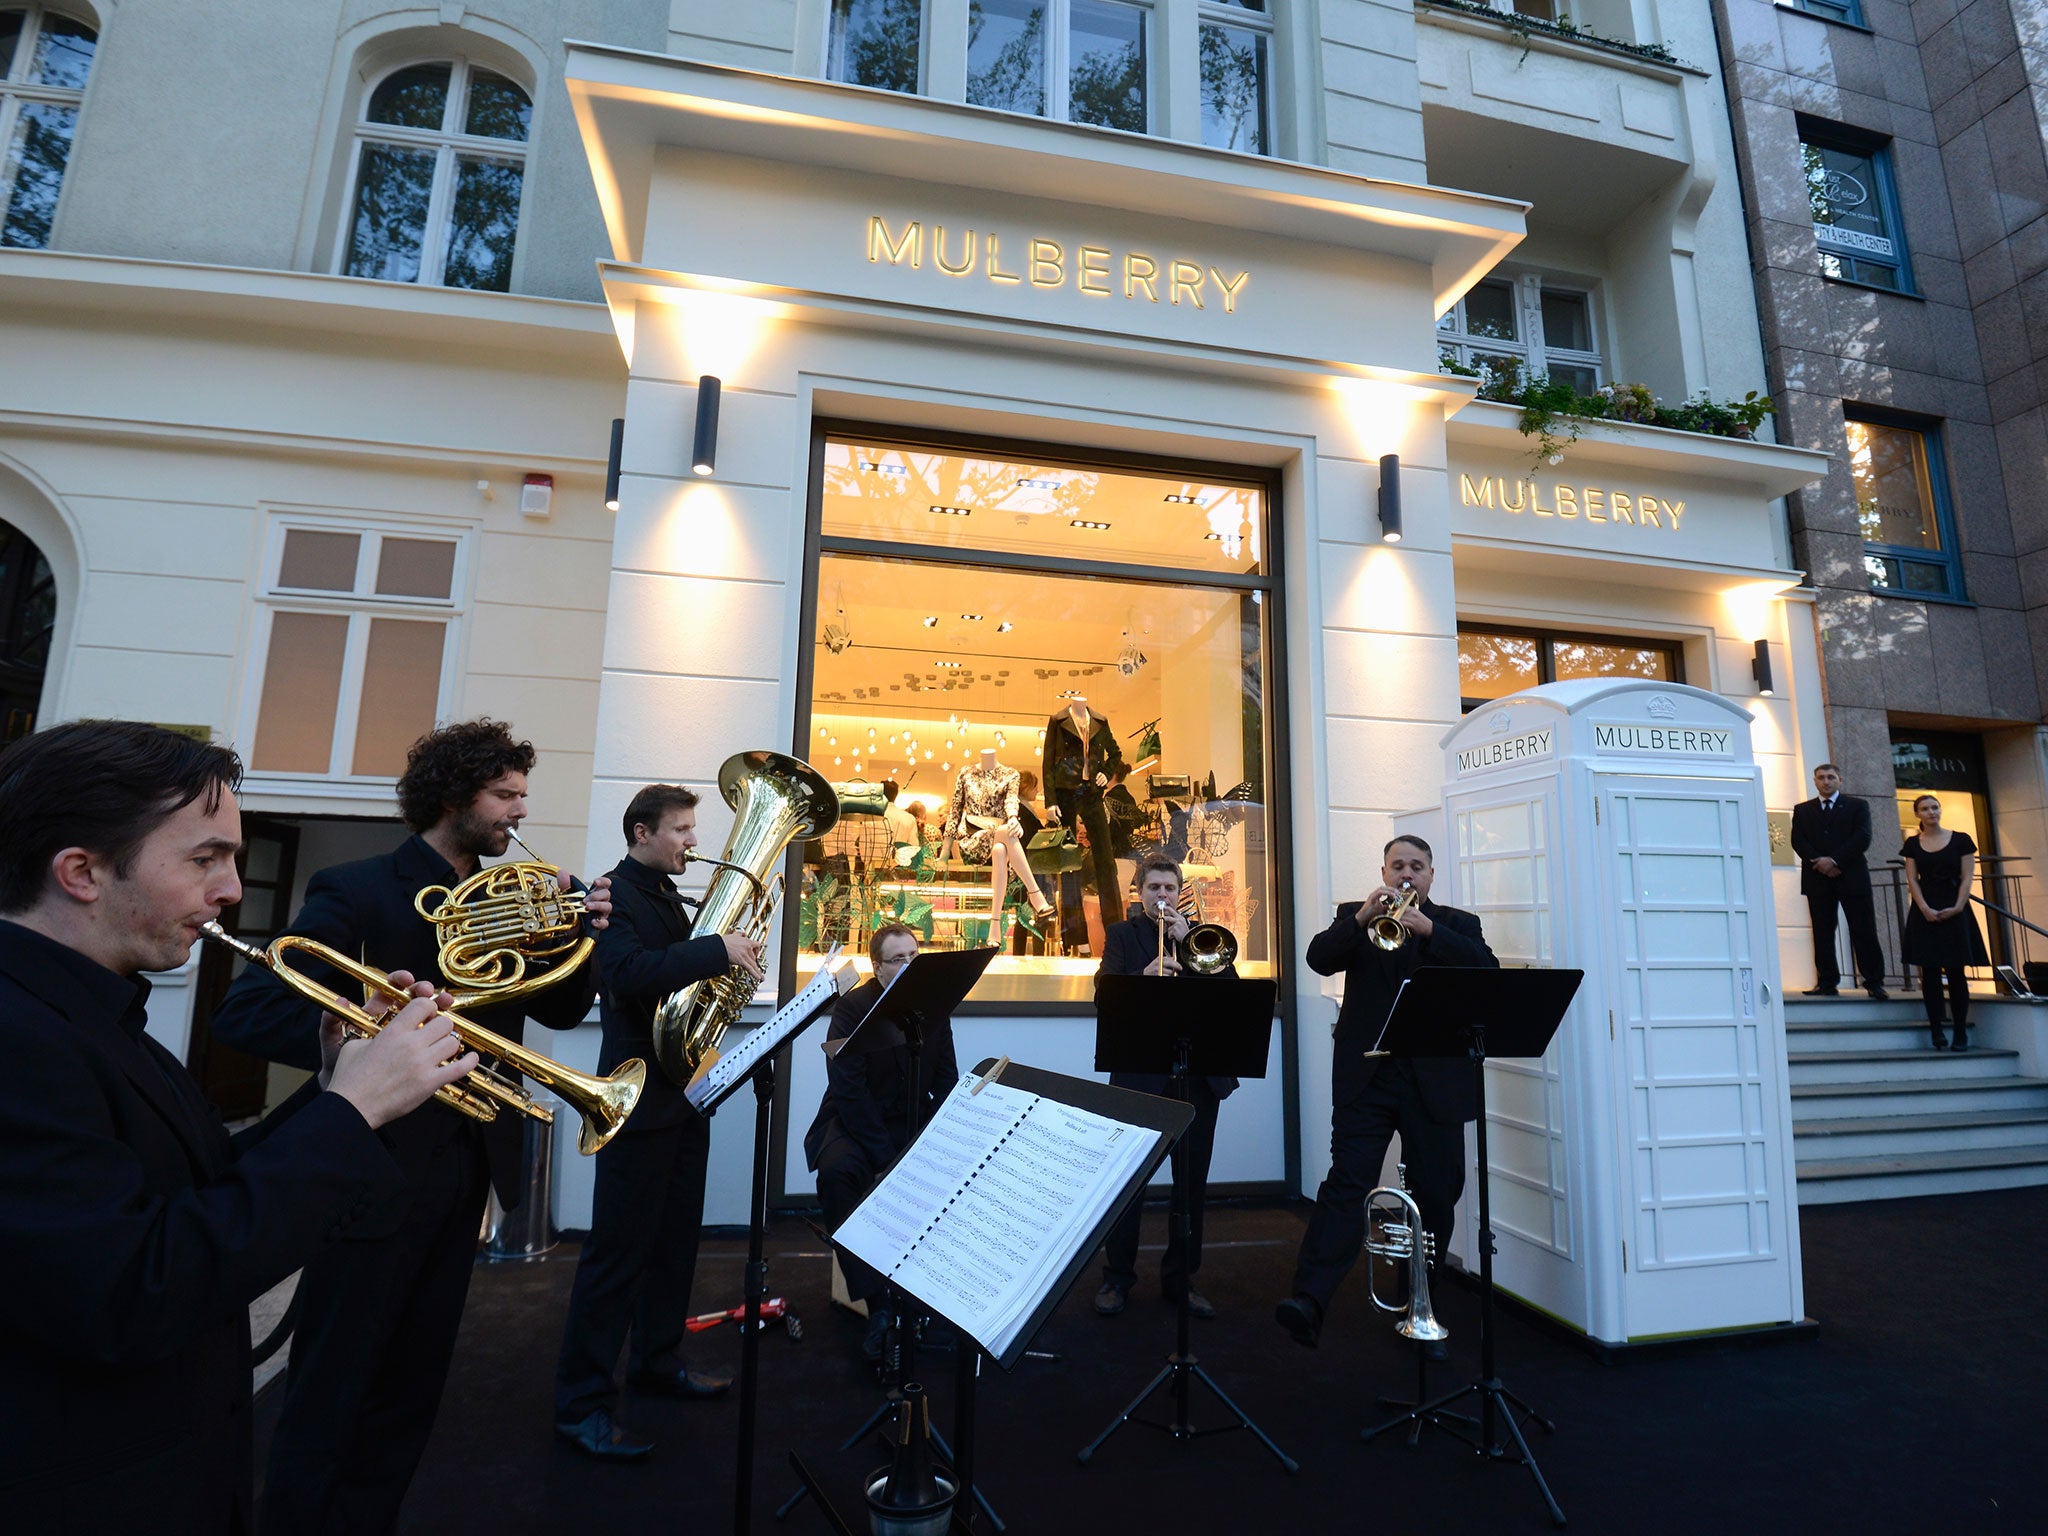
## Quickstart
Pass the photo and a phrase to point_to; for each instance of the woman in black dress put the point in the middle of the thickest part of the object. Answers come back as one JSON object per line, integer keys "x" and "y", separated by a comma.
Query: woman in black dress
{"x": 1941, "y": 931}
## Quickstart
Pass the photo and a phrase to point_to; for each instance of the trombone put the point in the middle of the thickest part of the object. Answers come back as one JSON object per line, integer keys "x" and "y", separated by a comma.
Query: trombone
{"x": 604, "y": 1102}
{"x": 1394, "y": 1231}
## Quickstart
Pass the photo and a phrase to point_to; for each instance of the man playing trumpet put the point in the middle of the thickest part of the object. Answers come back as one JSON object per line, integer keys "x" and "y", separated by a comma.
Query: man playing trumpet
{"x": 1147, "y": 943}
{"x": 1372, "y": 1097}
{"x": 378, "y": 1314}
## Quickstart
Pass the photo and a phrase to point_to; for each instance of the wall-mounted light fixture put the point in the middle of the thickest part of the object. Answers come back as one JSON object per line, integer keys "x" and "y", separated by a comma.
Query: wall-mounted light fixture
{"x": 1760, "y": 668}
{"x": 704, "y": 455}
{"x": 1390, "y": 498}
{"x": 611, "y": 464}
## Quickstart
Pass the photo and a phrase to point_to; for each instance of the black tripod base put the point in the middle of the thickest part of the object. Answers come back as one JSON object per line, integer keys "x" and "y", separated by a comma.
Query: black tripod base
{"x": 1414, "y": 1418}
{"x": 1178, "y": 1372}
{"x": 1495, "y": 1402}
{"x": 809, "y": 1487}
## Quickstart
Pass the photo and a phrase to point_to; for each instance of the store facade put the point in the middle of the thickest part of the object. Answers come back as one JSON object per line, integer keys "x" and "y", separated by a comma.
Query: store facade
{"x": 1030, "y": 435}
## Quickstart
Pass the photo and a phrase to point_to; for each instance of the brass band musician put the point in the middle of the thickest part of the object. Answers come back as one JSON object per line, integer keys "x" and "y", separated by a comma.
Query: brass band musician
{"x": 1145, "y": 944}
{"x": 1427, "y": 1101}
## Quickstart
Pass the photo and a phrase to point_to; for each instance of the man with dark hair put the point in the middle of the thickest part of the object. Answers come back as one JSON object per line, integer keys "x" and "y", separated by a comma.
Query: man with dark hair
{"x": 1831, "y": 835}
{"x": 648, "y": 1210}
{"x": 863, "y": 1121}
{"x": 1145, "y": 944}
{"x": 137, "y": 1231}
{"x": 377, "y": 1318}
{"x": 1427, "y": 1101}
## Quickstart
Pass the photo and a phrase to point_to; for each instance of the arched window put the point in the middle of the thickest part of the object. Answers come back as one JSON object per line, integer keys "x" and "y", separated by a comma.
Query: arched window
{"x": 45, "y": 57}
{"x": 440, "y": 160}
{"x": 28, "y": 615}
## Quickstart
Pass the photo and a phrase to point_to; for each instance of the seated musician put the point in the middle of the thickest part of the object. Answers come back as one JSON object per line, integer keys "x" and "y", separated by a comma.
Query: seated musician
{"x": 864, "y": 1121}
{"x": 1133, "y": 948}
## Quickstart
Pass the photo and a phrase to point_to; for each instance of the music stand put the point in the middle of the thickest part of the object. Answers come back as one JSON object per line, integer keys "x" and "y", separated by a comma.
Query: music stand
{"x": 1214, "y": 1026}
{"x": 1464, "y": 1011}
{"x": 931, "y": 986}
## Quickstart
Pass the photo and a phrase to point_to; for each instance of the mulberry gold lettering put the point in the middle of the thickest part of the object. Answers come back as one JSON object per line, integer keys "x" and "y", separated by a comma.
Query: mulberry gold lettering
{"x": 880, "y": 245}
{"x": 1230, "y": 289}
{"x": 1047, "y": 256}
{"x": 1093, "y": 276}
{"x": 939, "y": 253}
{"x": 1647, "y": 507}
{"x": 1567, "y": 500}
{"x": 1676, "y": 509}
{"x": 1520, "y": 500}
{"x": 1140, "y": 269}
{"x": 1623, "y": 508}
{"x": 1592, "y": 496}
{"x": 995, "y": 272}
{"x": 1185, "y": 274}
{"x": 1480, "y": 495}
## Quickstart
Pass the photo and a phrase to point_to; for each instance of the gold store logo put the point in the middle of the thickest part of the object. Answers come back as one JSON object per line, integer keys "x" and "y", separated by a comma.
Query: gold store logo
{"x": 1095, "y": 270}
{"x": 1596, "y": 504}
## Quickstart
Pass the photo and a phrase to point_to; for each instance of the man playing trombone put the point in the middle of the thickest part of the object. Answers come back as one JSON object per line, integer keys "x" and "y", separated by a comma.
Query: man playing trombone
{"x": 1376, "y": 943}
{"x": 1147, "y": 943}
{"x": 377, "y": 1316}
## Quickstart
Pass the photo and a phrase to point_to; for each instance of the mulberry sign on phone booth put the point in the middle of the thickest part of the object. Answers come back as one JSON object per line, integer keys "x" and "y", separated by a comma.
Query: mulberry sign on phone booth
{"x": 1642, "y": 1173}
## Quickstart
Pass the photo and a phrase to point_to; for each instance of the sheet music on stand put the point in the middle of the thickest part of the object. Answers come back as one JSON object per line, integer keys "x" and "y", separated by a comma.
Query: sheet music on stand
{"x": 721, "y": 1076}
{"x": 991, "y": 1213}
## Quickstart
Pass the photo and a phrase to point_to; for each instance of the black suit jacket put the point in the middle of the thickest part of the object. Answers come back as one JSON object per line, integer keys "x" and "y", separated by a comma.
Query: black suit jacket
{"x": 1127, "y": 948}
{"x": 865, "y": 1093}
{"x": 1068, "y": 763}
{"x": 1842, "y": 834}
{"x": 644, "y": 953}
{"x": 1372, "y": 976}
{"x": 135, "y": 1234}
{"x": 365, "y": 910}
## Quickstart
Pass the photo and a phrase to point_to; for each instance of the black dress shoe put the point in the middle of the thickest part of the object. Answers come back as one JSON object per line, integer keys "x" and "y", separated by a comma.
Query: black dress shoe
{"x": 1960, "y": 1041}
{"x": 1940, "y": 1040}
{"x": 600, "y": 1436}
{"x": 1822, "y": 992}
{"x": 1302, "y": 1318}
{"x": 1878, "y": 994}
{"x": 1200, "y": 1305}
{"x": 1109, "y": 1300}
{"x": 679, "y": 1383}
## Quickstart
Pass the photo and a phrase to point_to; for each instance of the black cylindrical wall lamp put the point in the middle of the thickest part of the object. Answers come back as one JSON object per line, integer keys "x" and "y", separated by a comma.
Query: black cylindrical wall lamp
{"x": 704, "y": 457}
{"x": 1760, "y": 668}
{"x": 611, "y": 467}
{"x": 1390, "y": 498}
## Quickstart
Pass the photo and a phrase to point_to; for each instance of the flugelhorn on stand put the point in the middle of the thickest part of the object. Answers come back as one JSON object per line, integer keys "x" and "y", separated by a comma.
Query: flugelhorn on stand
{"x": 1394, "y": 1231}
{"x": 492, "y": 927}
{"x": 603, "y": 1102}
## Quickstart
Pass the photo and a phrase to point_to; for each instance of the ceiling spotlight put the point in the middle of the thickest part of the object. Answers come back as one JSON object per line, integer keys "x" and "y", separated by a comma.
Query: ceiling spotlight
{"x": 832, "y": 741}
{"x": 1005, "y": 627}
{"x": 1183, "y": 501}
{"x": 952, "y": 511}
{"x": 972, "y": 618}
{"x": 1038, "y": 485}
{"x": 1082, "y": 522}
{"x": 1212, "y": 535}
{"x": 931, "y": 621}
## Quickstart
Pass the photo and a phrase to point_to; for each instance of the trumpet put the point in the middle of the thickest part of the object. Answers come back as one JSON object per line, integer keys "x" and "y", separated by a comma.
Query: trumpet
{"x": 1386, "y": 930}
{"x": 604, "y": 1102}
{"x": 492, "y": 926}
{"x": 1394, "y": 1231}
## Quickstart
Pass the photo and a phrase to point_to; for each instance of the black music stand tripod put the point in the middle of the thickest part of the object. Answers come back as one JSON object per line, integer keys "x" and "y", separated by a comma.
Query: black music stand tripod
{"x": 1214, "y": 1026}
{"x": 1460, "y": 1011}
{"x": 931, "y": 986}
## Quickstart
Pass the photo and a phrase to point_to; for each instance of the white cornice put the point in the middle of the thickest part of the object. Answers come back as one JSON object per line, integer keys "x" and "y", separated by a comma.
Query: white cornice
{"x": 629, "y": 104}
{"x": 1768, "y": 469}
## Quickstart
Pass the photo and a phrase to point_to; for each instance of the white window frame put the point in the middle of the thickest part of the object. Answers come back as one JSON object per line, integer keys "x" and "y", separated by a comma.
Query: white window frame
{"x": 1249, "y": 21}
{"x": 1529, "y": 347}
{"x": 1059, "y": 58}
{"x": 359, "y": 606}
{"x": 16, "y": 92}
{"x": 449, "y": 144}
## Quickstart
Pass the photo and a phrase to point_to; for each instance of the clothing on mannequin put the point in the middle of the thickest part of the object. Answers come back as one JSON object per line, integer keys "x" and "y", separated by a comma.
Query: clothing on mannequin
{"x": 1081, "y": 754}
{"x": 981, "y": 820}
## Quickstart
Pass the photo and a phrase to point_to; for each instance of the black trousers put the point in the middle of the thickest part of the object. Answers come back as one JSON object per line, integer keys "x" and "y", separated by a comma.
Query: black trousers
{"x": 1084, "y": 807}
{"x": 1958, "y": 994}
{"x": 377, "y": 1324}
{"x": 646, "y": 1218}
{"x": 1360, "y": 1129}
{"x": 1851, "y": 893}
{"x": 1190, "y": 1161}
{"x": 845, "y": 1175}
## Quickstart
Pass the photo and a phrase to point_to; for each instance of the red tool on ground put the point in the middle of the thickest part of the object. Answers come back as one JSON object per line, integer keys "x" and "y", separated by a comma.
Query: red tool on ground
{"x": 774, "y": 1306}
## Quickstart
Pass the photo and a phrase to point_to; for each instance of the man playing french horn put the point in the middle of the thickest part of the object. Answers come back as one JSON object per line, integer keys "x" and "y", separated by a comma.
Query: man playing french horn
{"x": 378, "y": 1313}
{"x": 1376, "y": 944}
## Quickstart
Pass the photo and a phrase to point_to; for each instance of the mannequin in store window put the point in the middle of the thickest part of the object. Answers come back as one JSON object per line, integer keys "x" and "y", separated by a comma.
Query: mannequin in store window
{"x": 1080, "y": 758}
{"x": 981, "y": 821}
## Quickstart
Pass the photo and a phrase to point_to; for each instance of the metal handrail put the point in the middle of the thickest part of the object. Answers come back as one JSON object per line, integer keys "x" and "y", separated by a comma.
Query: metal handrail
{"x": 2011, "y": 917}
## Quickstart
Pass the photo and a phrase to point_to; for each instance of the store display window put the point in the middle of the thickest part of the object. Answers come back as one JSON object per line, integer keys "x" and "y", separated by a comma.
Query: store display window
{"x": 1025, "y": 676}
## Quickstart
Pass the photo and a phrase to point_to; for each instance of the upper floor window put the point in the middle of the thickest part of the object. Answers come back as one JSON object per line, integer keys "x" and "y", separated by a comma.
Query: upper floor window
{"x": 1834, "y": 10}
{"x": 357, "y": 630}
{"x": 1855, "y": 207}
{"x": 1494, "y": 662}
{"x": 45, "y": 58}
{"x": 1523, "y": 325}
{"x": 876, "y": 42}
{"x": 1237, "y": 75}
{"x": 1083, "y": 61}
{"x": 1902, "y": 505}
{"x": 440, "y": 165}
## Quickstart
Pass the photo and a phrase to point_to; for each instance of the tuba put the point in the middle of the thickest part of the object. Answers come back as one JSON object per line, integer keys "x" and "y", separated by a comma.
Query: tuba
{"x": 491, "y": 927}
{"x": 1386, "y": 930}
{"x": 604, "y": 1102}
{"x": 775, "y": 800}
{"x": 1394, "y": 1231}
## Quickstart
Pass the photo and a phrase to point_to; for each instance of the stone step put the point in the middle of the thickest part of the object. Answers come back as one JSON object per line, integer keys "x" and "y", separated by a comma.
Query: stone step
{"x": 1831, "y": 1181}
{"x": 1868, "y": 1136}
{"x": 1810, "y": 1067}
{"x": 1907, "y": 1032}
{"x": 1924, "y": 1096}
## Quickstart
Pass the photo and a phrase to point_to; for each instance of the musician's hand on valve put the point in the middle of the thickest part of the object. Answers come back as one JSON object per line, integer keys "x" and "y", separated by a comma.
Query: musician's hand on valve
{"x": 1418, "y": 922}
{"x": 334, "y": 1033}
{"x": 744, "y": 953}
{"x": 1375, "y": 905}
{"x": 403, "y": 1065}
{"x": 597, "y": 903}
{"x": 1163, "y": 967}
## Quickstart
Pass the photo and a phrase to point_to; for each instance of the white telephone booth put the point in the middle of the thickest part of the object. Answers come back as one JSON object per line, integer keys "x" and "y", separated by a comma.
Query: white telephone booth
{"x": 1642, "y": 1178}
